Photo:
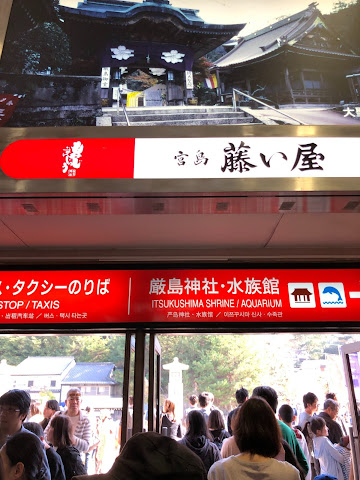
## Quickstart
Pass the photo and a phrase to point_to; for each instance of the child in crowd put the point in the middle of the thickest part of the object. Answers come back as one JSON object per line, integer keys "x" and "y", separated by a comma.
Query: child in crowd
{"x": 329, "y": 457}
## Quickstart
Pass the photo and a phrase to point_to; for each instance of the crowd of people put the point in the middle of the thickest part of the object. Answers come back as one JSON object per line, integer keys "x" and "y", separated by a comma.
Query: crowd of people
{"x": 63, "y": 441}
{"x": 257, "y": 441}
{"x": 263, "y": 441}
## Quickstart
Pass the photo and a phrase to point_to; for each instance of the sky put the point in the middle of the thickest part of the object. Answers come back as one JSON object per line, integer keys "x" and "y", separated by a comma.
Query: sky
{"x": 255, "y": 13}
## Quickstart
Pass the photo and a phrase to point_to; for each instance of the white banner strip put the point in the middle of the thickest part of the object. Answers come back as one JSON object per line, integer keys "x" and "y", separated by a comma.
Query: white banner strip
{"x": 247, "y": 157}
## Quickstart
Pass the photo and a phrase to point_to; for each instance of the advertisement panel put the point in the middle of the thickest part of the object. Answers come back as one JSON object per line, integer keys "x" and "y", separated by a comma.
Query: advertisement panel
{"x": 181, "y": 62}
{"x": 185, "y": 296}
{"x": 173, "y": 158}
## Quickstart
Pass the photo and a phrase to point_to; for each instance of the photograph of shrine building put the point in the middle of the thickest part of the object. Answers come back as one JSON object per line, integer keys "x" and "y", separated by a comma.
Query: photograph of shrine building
{"x": 149, "y": 62}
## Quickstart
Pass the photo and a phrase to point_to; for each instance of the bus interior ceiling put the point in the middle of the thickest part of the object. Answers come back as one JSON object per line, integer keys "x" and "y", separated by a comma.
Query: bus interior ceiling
{"x": 210, "y": 228}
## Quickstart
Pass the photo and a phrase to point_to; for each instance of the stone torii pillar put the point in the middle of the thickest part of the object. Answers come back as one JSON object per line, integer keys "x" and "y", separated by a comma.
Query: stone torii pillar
{"x": 175, "y": 385}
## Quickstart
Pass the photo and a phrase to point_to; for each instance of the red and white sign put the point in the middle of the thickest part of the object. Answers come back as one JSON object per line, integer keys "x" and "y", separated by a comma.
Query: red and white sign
{"x": 184, "y": 296}
{"x": 7, "y": 107}
{"x": 176, "y": 158}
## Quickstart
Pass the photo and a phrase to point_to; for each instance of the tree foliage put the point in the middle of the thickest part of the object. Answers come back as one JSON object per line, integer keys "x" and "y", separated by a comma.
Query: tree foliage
{"x": 214, "y": 55}
{"x": 345, "y": 20}
{"x": 217, "y": 363}
{"x": 84, "y": 348}
{"x": 42, "y": 48}
{"x": 201, "y": 69}
{"x": 223, "y": 363}
{"x": 340, "y": 5}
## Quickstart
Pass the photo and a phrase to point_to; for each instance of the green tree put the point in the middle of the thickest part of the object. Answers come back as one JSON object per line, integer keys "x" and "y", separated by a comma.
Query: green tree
{"x": 42, "y": 48}
{"x": 314, "y": 347}
{"x": 84, "y": 348}
{"x": 340, "y": 5}
{"x": 214, "y": 55}
{"x": 46, "y": 395}
{"x": 345, "y": 22}
{"x": 217, "y": 363}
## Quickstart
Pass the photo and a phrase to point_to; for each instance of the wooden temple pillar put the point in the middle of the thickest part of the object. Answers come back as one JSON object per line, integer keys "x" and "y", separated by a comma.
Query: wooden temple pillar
{"x": 303, "y": 82}
{"x": 218, "y": 88}
{"x": 288, "y": 84}
{"x": 248, "y": 85}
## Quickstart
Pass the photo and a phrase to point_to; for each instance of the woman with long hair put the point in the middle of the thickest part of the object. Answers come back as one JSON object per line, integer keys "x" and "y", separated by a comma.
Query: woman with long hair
{"x": 257, "y": 435}
{"x": 60, "y": 434}
{"x": 169, "y": 421}
{"x": 216, "y": 425}
{"x": 22, "y": 458}
{"x": 199, "y": 440}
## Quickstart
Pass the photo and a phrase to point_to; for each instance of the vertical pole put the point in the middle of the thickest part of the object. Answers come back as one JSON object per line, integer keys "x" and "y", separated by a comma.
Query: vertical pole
{"x": 218, "y": 85}
{"x": 158, "y": 387}
{"x": 139, "y": 381}
{"x": 304, "y": 87}
{"x": 126, "y": 384}
{"x": 185, "y": 90}
{"x": 5, "y": 9}
{"x": 151, "y": 382}
{"x": 288, "y": 84}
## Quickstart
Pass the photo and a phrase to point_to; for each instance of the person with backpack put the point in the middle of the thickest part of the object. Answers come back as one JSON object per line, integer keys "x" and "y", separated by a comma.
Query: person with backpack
{"x": 216, "y": 427}
{"x": 169, "y": 425}
{"x": 198, "y": 439}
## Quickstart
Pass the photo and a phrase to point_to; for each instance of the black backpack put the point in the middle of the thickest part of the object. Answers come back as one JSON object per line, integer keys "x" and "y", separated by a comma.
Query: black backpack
{"x": 219, "y": 440}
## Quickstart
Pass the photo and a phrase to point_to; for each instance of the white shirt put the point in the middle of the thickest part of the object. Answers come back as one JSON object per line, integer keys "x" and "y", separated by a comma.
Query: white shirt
{"x": 303, "y": 418}
{"x": 329, "y": 458}
{"x": 233, "y": 468}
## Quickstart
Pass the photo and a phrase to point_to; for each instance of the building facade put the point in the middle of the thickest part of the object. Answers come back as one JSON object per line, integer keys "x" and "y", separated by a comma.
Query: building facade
{"x": 298, "y": 60}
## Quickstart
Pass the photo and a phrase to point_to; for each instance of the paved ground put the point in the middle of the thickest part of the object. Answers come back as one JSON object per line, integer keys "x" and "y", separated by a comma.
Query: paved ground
{"x": 310, "y": 116}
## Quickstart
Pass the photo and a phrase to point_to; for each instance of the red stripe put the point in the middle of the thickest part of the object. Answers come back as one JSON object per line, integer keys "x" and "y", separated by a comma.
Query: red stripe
{"x": 100, "y": 158}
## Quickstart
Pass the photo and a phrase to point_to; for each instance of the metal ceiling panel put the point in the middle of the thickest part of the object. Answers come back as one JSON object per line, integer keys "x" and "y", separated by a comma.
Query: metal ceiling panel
{"x": 318, "y": 230}
{"x": 143, "y": 231}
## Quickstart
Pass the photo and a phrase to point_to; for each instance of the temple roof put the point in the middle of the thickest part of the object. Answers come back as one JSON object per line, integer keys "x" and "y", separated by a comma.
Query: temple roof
{"x": 291, "y": 33}
{"x": 119, "y": 10}
{"x": 152, "y": 21}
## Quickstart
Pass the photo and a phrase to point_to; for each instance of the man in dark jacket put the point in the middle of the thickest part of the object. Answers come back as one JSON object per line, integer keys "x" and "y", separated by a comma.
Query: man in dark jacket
{"x": 329, "y": 414}
{"x": 241, "y": 396}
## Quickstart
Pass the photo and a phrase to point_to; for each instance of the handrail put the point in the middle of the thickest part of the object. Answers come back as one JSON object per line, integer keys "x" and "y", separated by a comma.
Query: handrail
{"x": 120, "y": 100}
{"x": 235, "y": 90}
